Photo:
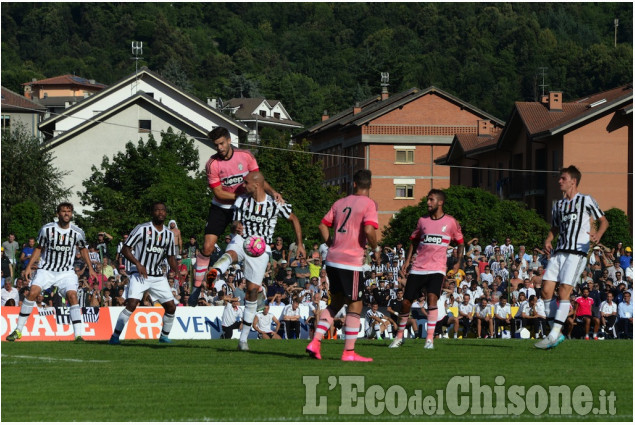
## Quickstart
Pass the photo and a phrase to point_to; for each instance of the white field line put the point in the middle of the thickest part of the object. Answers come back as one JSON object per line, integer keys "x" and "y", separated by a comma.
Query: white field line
{"x": 54, "y": 359}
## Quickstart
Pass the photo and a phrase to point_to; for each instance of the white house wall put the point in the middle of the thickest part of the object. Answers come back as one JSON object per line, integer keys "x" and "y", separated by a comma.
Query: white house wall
{"x": 77, "y": 154}
{"x": 193, "y": 111}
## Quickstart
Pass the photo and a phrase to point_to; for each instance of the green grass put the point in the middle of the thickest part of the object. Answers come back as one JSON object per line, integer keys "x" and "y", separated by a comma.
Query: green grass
{"x": 211, "y": 381}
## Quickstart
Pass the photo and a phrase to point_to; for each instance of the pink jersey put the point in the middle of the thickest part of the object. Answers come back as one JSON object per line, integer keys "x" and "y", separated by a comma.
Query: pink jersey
{"x": 434, "y": 237}
{"x": 229, "y": 173}
{"x": 348, "y": 216}
{"x": 584, "y": 306}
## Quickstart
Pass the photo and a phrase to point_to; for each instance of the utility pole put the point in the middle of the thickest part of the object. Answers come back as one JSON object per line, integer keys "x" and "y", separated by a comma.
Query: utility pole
{"x": 616, "y": 23}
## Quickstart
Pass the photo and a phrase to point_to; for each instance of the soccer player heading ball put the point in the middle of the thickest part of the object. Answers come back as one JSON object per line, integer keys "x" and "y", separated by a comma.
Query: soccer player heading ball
{"x": 255, "y": 213}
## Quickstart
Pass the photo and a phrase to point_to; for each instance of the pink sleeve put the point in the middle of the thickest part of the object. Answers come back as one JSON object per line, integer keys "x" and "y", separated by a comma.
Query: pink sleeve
{"x": 213, "y": 178}
{"x": 328, "y": 218}
{"x": 371, "y": 217}
{"x": 252, "y": 164}
{"x": 416, "y": 234}
{"x": 458, "y": 234}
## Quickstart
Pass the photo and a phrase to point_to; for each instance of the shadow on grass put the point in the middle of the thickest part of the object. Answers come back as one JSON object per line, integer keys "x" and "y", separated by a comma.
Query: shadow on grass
{"x": 264, "y": 352}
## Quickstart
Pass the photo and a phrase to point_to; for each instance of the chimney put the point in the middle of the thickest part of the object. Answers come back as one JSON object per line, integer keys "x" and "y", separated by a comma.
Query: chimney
{"x": 385, "y": 79}
{"x": 484, "y": 128}
{"x": 325, "y": 115}
{"x": 384, "y": 93}
{"x": 555, "y": 101}
{"x": 544, "y": 99}
{"x": 357, "y": 109}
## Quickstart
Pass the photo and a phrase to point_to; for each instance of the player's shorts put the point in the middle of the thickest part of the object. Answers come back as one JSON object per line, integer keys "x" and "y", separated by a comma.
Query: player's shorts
{"x": 423, "y": 283}
{"x": 345, "y": 281}
{"x": 158, "y": 287}
{"x": 255, "y": 267}
{"x": 64, "y": 281}
{"x": 218, "y": 219}
{"x": 566, "y": 268}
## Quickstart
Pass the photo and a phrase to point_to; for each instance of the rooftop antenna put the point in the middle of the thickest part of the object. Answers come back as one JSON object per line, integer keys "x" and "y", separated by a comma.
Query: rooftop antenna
{"x": 543, "y": 70}
{"x": 385, "y": 78}
{"x": 137, "y": 51}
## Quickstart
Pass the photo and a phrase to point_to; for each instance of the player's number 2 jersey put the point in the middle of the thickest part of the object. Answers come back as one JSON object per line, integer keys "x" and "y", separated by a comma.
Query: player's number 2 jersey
{"x": 347, "y": 217}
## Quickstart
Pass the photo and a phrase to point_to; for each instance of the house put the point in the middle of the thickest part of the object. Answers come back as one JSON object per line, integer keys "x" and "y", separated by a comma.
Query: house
{"x": 18, "y": 110}
{"x": 140, "y": 104}
{"x": 594, "y": 133}
{"x": 397, "y": 137}
{"x": 58, "y": 93}
{"x": 257, "y": 113}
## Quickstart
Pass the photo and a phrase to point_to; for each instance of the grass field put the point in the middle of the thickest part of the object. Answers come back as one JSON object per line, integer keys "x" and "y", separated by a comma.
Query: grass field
{"x": 211, "y": 381}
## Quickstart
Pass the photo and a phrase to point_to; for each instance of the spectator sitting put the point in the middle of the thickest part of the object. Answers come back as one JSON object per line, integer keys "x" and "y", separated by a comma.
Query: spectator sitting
{"x": 484, "y": 319}
{"x": 232, "y": 318}
{"x": 376, "y": 322}
{"x": 263, "y": 324}
{"x": 608, "y": 311}
{"x": 291, "y": 318}
{"x": 10, "y": 293}
{"x": 466, "y": 314}
{"x": 420, "y": 315}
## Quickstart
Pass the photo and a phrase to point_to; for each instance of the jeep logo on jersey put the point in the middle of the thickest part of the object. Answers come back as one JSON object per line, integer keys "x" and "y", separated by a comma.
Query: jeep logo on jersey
{"x": 233, "y": 180}
{"x": 570, "y": 217}
{"x": 62, "y": 248}
{"x": 432, "y": 239}
{"x": 154, "y": 249}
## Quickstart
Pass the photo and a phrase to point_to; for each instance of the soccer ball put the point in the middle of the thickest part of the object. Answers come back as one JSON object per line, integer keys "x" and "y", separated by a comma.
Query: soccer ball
{"x": 255, "y": 246}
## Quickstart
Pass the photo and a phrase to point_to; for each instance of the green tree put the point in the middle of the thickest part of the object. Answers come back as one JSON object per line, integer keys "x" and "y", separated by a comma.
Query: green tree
{"x": 619, "y": 230}
{"x": 28, "y": 174}
{"x": 26, "y": 222}
{"x": 480, "y": 214}
{"x": 121, "y": 191}
{"x": 290, "y": 171}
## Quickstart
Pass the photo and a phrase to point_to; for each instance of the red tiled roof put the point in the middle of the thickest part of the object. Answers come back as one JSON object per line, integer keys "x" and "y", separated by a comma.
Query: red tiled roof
{"x": 538, "y": 118}
{"x": 12, "y": 100}
{"x": 67, "y": 79}
{"x": 471, "y": 142}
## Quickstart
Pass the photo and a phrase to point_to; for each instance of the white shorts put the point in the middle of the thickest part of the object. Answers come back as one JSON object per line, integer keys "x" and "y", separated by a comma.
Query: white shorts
{"x": 565, "y": 268}
{"x": 255, "y": 267}
{"x": 157, "y": 285}
{"x": 65, "y": 281}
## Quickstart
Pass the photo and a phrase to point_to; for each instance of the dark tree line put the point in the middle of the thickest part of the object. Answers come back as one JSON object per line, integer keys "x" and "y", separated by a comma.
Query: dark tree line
{"x": 317, "y": 56}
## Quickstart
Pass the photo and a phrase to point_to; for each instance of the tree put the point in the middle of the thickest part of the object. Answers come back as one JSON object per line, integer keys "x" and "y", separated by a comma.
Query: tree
{"x": 619, "y": 229}
{"x": 26, "y": 221}
{"x": 121, "y": 191}
{"x": 291, "y": 171}
{"x": 28, "y": 174}
{"x": 481, "y": 214}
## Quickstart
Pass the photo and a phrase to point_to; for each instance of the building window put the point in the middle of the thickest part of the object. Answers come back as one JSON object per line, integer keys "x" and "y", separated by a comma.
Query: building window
{"x": 404, "y": 157}
{"x": 262, "y": 113}
{"x": 276, "y": 115}
{"x": 6, "y": 122}
{"x": 145, "y": 126}
{"x": 404, "y": 191}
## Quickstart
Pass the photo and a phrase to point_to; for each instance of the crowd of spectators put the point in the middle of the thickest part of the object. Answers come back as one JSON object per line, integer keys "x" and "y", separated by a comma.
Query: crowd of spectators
{"x": 477, "y": 299}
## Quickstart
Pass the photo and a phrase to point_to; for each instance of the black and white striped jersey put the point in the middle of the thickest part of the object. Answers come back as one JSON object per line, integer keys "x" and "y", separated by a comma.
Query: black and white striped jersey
{"x": 259, "y": 218}
{"x": 573, "y": 220}
{"x": 59, "y": 246}
{"x": 151, "y": 247}
{"x": 126, "y": 263}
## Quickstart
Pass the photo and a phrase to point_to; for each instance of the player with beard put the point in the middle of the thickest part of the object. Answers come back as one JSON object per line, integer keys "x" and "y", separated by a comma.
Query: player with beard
{"x": 57, "y": 244}
{"x": 433, "y": 235}
{"x": 226, "y": 171}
